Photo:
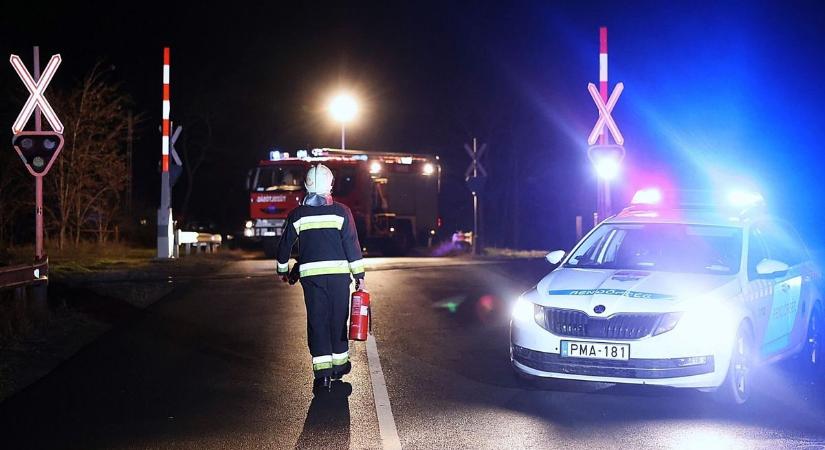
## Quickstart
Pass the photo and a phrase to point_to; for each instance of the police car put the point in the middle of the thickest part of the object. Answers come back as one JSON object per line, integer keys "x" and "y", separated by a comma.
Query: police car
{"x": 676, "y": 290}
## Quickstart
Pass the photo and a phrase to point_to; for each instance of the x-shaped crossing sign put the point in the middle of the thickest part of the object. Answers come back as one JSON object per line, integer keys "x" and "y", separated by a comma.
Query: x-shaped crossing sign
{"x": 605, "y": 119}
{"x": 172, "y": 150}
{"x": 476, "y": 164}
{"x": 36, "y": 97}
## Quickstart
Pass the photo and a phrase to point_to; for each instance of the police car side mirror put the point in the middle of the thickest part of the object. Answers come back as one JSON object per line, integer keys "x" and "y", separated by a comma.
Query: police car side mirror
{"x": 771, "y": 268}
{"x": 555, "y": 257}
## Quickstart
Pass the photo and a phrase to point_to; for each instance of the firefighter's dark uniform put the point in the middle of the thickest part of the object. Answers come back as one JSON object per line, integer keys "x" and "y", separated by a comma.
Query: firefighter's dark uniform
{"x": 329, "y": 253}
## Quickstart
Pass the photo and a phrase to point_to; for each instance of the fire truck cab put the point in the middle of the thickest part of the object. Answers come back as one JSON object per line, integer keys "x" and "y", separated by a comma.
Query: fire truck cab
{"x": 393, "y": 196}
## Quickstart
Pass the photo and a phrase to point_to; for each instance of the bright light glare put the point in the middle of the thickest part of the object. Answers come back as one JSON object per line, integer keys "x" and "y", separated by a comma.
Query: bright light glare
{"x": 375, "y": 167}
{"x": 343, "y": 108}
{"x": 607, "y": 168}
{"x": 647, "y": 197}
{"x": 249, "y": 224}
{"x": 745, "y": 198}
{"x": 711, "y": 323}
{"x": 429, "y": 169}
{"x": 522, "y": 310}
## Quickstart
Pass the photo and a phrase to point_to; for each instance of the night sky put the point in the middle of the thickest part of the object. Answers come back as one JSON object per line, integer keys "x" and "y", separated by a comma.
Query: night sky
{"x": 716, "y": 94}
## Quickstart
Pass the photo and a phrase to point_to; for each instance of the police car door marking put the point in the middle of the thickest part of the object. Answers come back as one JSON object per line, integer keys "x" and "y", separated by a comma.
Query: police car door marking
{"x": 784, "y": 307}
{"x": 616, "y": 292}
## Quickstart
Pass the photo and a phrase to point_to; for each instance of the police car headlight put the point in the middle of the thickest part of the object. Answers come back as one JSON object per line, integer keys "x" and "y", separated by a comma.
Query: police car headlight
{"x": 667, "y": 322}
{"x": 249, "y": 224}
{"x": 525, "y": 311}
{"x": 712, "y": 323}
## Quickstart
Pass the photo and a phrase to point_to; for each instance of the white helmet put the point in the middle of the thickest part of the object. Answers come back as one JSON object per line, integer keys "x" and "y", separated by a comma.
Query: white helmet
{"x": 319, "y": 180}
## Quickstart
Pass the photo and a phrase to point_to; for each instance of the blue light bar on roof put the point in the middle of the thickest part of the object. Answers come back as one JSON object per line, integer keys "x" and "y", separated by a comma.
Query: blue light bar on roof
{"x": 745, "y": 199}
{"x": 689, "y": 199}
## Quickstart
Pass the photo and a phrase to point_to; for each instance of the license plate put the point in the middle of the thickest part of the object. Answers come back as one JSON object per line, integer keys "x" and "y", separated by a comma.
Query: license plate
{"x": 595, "y": 350}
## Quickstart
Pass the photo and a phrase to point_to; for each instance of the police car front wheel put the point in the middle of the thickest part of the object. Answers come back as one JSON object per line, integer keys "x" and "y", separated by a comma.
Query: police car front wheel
{"x": 736, "y": 389}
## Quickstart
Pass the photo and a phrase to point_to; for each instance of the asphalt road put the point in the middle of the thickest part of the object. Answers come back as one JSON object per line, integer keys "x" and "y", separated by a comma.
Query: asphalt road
{"x": 222, "y": 363}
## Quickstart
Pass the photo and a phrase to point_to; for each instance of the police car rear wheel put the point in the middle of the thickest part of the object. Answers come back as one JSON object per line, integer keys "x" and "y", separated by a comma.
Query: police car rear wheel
{"x": 736, "y": 389}
{"x": 814, "y": 342}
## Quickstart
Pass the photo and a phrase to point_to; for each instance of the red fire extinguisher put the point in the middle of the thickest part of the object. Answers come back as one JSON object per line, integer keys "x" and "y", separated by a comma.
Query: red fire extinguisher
{"x": 359, "y": 318}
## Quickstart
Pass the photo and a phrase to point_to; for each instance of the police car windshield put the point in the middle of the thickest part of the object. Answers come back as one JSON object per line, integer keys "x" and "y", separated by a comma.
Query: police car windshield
{"x": 661, "y": 247}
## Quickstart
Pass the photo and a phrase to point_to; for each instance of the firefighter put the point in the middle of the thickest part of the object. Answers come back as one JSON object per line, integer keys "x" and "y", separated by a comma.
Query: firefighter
{"x": 328, "y": 255}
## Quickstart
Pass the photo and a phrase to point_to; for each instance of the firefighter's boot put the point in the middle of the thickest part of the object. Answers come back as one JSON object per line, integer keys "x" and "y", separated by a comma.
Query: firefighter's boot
{"x": 338, "y": 372}
{"x": 322, "y": 384}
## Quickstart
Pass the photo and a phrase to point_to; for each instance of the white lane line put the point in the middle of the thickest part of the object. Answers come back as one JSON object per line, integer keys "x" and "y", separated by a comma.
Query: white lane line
{"x": 386, "y": 421}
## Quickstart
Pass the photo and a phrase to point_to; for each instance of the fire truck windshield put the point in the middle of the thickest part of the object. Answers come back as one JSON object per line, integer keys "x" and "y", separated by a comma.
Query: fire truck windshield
{"x": 280, "y": 178}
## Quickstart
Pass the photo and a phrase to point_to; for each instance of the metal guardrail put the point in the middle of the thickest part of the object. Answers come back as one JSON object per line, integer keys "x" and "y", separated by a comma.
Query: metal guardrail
{"x": 209, "y": 243}
{"x": 19, "y": 276}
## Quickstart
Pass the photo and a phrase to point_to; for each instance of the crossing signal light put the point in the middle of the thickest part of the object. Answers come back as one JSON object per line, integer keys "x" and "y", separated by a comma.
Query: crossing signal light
{"x": 38, "y": 149}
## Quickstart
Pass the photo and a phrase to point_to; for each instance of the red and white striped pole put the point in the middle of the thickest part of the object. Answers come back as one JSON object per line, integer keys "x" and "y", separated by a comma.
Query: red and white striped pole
{"x": 165, "y": 226}
{"x": 166, "y": 107}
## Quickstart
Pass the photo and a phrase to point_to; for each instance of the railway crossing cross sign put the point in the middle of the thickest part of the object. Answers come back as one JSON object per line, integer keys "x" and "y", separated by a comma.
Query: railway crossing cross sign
{"x": 605, "y": 119}
{"x": 475, "y": 169}
{"x": 176, "y": 169}
{"x": 36, "y": 98}
{"x": 38, "y": 149}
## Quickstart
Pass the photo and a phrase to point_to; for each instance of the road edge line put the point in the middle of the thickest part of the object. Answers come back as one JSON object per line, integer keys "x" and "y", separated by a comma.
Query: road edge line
{"x": 386, "y": 421}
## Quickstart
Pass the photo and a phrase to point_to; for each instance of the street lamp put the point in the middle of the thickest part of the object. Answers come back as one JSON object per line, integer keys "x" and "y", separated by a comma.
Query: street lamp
{"x": 607, "y": 168}
{"x": 343, "y": 108}
{"x": 607, "y": 161}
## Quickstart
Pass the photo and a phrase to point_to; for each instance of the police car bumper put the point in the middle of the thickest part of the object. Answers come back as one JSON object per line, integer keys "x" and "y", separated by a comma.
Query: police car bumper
{"x": 633, "y": 370}
{"x": 675, "y": 358}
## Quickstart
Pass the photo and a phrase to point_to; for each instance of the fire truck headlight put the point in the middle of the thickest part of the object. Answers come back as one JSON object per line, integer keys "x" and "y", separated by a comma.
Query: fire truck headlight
{"x": 249, "y": 224}
{"x": 375, "y": 167}
{"x": 429, "y": 169}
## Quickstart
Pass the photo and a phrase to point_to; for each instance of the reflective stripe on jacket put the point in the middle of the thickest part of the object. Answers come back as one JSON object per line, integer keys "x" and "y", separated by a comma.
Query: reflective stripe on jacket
{"x": 327, "y": 241}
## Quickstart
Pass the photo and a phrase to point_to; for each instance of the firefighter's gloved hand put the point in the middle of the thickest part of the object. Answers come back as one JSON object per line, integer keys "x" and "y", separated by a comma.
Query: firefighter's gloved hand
{"x": 360, "y": 284}
{"x": 294, "y": 275}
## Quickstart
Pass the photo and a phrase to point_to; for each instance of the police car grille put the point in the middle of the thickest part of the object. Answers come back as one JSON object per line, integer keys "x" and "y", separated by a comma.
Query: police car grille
{"x": 572, "y": 323}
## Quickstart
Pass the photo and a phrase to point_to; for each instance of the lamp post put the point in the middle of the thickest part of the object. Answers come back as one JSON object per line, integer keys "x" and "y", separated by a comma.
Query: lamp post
{"x": 343, "y": 108}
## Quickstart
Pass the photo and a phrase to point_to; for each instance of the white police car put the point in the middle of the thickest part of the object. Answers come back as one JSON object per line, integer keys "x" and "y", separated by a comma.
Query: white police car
{"x": 674, "y": 291}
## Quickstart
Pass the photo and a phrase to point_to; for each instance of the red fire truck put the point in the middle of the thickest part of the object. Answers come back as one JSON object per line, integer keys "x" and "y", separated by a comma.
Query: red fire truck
{"x": 393, "y": 196}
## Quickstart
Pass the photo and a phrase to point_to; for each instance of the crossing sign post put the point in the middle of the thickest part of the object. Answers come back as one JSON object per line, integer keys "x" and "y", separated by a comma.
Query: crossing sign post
{"x": 606, "y": 157}
{"x": 475, "y": 177}
{"x": 38, "y": 149}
